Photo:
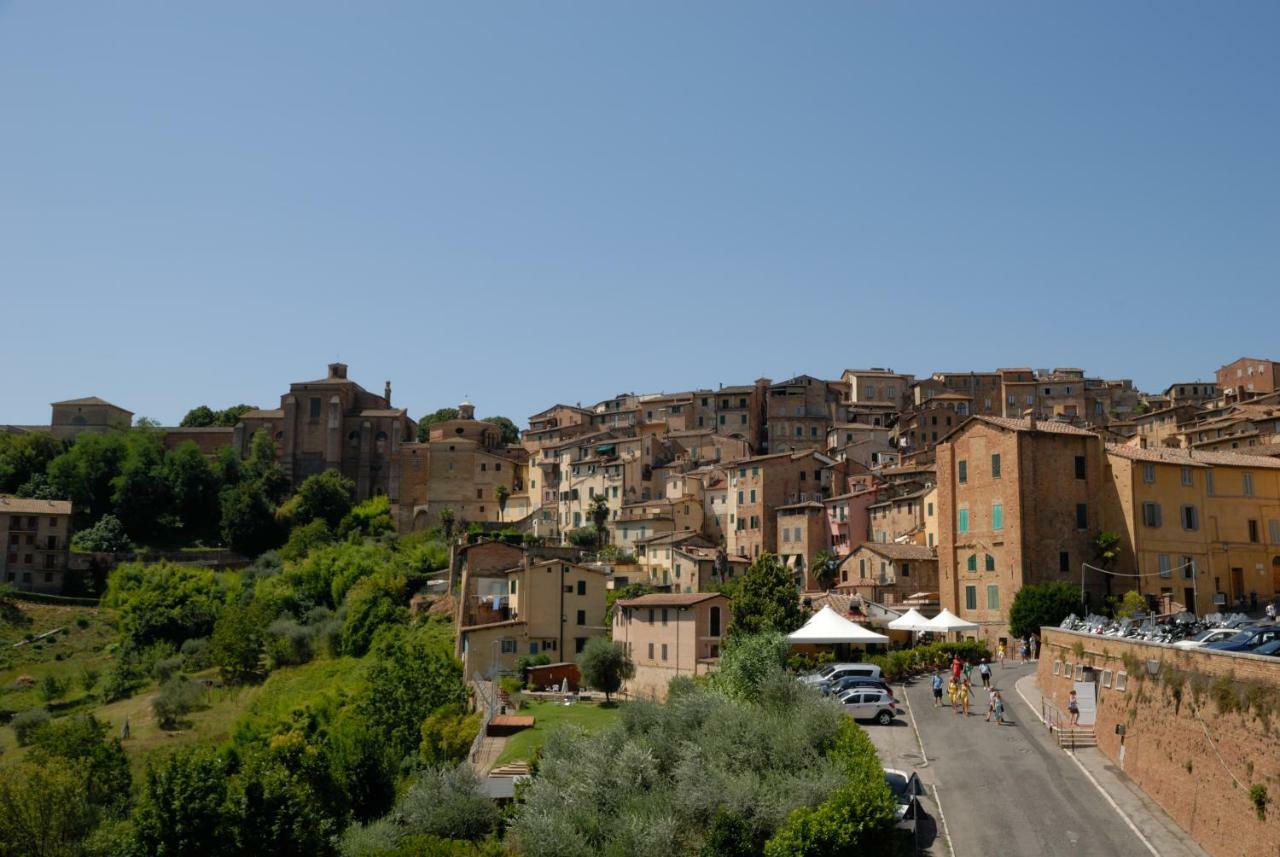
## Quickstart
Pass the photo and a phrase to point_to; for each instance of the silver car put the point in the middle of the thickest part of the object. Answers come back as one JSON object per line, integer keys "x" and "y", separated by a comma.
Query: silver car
{"x": 1204, "y": 638}
{"x": 869, "y": 704}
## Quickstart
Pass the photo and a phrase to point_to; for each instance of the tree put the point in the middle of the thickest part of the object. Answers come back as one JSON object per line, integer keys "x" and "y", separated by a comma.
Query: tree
{"x": 447, "y": 521}
{"x": 604, "y": 665}
{"x": 372, "y": 602}
{"x": 766, "y": 599}
{"x": 599, "y": 512}
{"x": 193, "y": 485}
{"x": 82, "y": 739}
{"x": 164, "y": 602}
{"x": 1106, "y": 550}
{"x": 438, "y": 416}
{"x": 248, "y": 519}
{"x": 181, "y": 809}
{"x": 44, "y": 809}
{"x": 1041, "y": 604}
{"x": 328, "y": 496}
{"x": 140, "y": 493}
{"x": 106, "y": 536}
{"x": 85, "y": 472}
{"x": 510, "y": 431}
{"x": 23, "y": 457}
{"x": 237, "y": 644}
{"x": 825, "y": 565}
{"x": 1131, "y": 605}
{"x": 747, "y": 661}
{"x": 501, "y": 493}
{"x": 369, "y": 519}
{"x": 407, "y": 680}
{"x": 202, "y": 416}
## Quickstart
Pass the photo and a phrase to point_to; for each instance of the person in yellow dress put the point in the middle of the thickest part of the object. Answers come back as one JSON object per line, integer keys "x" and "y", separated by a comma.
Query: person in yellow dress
{"x": 1001, "y": 653}
{"x": 963, "y": 694}
{"x": 953, "y": 689}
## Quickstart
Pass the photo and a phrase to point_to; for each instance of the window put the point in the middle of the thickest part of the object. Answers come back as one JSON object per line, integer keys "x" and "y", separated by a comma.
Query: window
{"x": 1188, "y": 564}
{"x": 997, "y": 516}
{"x": 664, "y": 651}
{"x": 1064, "y": 561}
{"x": 972, "y": 562}
{"x": 1164, "y": 565}
{"x": 964, "y": 520}
{"x": 962, "y": 471}
{"x": 995, "y": 466}
{"x": 582, "y": 587}
{"x": 314, "y": 408}
{"x": 928, "y": 510}
{"x": 1186, "y": 476}
{"x": 862, "y": 568}
{"x": 582, "y": 617}
{"x": 971, "y": 598}
{"x": 1190, "y": 518}
{"x": 650, "y": 615}
{"x": 548, "y": 645}
{"x": 1208, "y": 482}
{"x": 715, "y": 621}
{"x": 1082, "y": 516}
{"x": 651, "y": 651}
{"x": 1246, "y": 484}
{"x": 664, "y": 615}
{"x": 1151, "y": 514}
{"x": 1273, "y": 531}
{"x": 990, "y": 562}
{"x": 993, "y": 597}
{"x": 1148, "y": 473}
{"x": 906, "y": 569}
{"x": 1253, "y": 531}
{"x": 508, "y": 647}
{"x": 1080, "y": 468}
{"x": 753, "y": 495}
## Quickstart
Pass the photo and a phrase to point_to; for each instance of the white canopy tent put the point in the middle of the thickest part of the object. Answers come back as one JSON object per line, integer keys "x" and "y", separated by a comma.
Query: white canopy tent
{"x": 827, "y": 627}
{"x": 946, "y": 622}
{"x": 910, "y": 621}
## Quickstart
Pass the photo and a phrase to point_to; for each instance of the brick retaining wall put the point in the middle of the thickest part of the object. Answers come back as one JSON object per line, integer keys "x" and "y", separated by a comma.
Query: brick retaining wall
{"x": 1179, "y": 746}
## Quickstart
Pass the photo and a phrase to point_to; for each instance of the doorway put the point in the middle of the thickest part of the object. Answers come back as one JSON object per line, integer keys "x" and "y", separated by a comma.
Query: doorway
{"x": 1237, "y": 583}
{"x": 1189, "y": 598}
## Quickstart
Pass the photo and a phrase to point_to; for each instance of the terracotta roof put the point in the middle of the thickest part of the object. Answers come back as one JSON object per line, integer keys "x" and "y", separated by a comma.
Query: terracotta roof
{"x": 387, "y": 412}
{"x": 92, "y": 400}
{"x": 806, "y": 504}
{"x": 1047, "y": 426}
{"x": 892, "y": 550}
{"x": 1168, "y": 455}
{"x": 26, "y": 506}
{"x": 262, "y": 415}
{"x": 671, "y": 599}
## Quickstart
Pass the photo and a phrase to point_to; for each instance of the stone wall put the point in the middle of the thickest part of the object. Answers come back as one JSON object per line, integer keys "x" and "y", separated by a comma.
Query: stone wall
{"x": 1199, "y": 734}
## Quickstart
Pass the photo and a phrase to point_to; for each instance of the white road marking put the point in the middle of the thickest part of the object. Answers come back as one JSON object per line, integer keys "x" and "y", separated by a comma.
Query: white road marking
{"x": 937, "y": 798}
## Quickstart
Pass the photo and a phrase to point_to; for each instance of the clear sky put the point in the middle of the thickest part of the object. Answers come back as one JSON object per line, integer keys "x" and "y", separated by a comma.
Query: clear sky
{"x": 533, "y": 202}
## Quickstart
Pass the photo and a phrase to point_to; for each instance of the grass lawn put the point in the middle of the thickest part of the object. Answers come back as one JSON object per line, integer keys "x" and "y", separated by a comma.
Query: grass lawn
{"x": 551, "y": 715}
{"x": 84, "y": 643}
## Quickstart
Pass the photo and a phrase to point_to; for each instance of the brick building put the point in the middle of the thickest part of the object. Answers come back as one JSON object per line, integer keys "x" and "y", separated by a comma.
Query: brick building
{"x": 89, "y": 414}
{"x": 334, "y": 424}
{"x": 759, "y": 485}
{"x": 889, "y": 573}
{"x": 669, "y": 635}
{"x": 1248, "y": 378}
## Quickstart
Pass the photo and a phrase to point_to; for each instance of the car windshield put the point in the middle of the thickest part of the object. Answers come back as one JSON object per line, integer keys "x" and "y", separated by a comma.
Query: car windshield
{"x": 1205, "y": 635}
{"x": 898, "y": 783}
{"x": 826, "y": 671}
{"x": 1271, "y": 648}
{"x": 1242, "y": 637}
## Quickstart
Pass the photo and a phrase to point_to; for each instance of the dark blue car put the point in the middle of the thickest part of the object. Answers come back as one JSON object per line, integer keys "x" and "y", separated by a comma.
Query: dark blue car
{"x": 1247, "y": 639}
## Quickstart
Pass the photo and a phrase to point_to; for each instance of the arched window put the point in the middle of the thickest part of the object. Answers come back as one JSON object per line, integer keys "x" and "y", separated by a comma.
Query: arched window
{"x": 715, "y": 621}
{"x": 380, "y": 442}
{"x": 353, "y": 440}
{"x": 973, "y": 562}
{"x": 991, "y": 563}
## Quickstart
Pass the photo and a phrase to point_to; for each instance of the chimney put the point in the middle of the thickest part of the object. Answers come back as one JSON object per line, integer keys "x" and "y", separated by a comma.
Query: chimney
{"x": 1030, "y": 414}
{"x": 386, "y": 393}
{"x": 338, "y": 370}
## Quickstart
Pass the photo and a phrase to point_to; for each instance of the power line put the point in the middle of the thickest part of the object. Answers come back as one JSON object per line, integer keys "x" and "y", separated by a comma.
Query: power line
{"x": 1166, "y": 573}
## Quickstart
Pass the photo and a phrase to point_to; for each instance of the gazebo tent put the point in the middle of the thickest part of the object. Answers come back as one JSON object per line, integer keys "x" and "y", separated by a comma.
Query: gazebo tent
{"x": 827, "y": 627}
{"x": 910, "y": 621}
{"x": 946, "y": 622}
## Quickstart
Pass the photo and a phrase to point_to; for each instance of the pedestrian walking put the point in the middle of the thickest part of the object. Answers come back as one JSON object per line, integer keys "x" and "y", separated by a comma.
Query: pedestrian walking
{"x": 937, "y": 689}
{"x": 953, "y": 692}
{"x": 1001, "y": 653}
{"x": 965, "y": 692}
{"x": 1035, "y": 647}
{"x": 984, "y": 670}
{"x": 997, "y": 705}
{"x": 1271, "y": 611}
{"x": 1023, "y": 654}
{"x": 955, "y": 667}
{"x": 991, "y": 703}
{"x": 968, "y": 671}
{"x": 1073, "y": 708}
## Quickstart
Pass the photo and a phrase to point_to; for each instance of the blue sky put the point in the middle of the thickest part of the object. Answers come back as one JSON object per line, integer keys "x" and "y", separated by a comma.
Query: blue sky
{"x": 533, "y": 202}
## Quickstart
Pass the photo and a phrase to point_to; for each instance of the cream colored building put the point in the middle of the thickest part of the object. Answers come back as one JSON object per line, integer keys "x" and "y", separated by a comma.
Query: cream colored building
{"x": 669, "y": 635}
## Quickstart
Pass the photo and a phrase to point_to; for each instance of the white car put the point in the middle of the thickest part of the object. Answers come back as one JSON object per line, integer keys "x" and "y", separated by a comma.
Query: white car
{"x": 905, "y": 787}
{"x": 1204, "y": 638}
{"x": 832, "y": 673}
{"x": 869, "y": 704}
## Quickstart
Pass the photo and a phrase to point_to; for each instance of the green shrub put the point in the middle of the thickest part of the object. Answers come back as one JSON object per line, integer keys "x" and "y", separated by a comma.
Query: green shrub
{"x": 1258, "y": 797}
{"x": 52, "y": 687}
{"x": 26, "y": 723}
{"x": 177, "y": 697}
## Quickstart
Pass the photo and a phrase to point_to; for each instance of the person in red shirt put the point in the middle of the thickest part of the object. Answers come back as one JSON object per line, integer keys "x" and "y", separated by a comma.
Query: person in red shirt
{"x": 956, "y": 667}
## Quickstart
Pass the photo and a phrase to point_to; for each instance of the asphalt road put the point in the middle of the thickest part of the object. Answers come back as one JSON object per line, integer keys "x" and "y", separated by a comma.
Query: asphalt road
{"x": 1004, "y": 790}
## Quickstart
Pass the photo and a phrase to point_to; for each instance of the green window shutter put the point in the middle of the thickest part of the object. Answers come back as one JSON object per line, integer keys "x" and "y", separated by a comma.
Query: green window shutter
{"x": 997, "y": 516}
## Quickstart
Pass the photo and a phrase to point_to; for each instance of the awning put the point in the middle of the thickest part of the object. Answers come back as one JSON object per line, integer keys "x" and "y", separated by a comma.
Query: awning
{"x": 910, "y": 621}
{"x": 828, "y": 626}
{"x": 947, "y": 621}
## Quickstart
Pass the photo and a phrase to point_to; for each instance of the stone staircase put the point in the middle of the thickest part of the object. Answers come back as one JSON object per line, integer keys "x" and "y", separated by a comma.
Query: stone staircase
{"x": 1075, "y": 737}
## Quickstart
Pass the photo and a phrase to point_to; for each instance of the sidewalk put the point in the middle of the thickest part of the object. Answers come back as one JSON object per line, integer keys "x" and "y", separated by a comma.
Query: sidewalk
{"x": 1162, "y": 834}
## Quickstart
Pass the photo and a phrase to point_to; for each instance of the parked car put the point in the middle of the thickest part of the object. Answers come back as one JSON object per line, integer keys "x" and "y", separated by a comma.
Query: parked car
{"x": 1271, "y": 649}
{"x": 905, "y": 788}
{"x": 850, "y": 682}
{"x": 1246, "y": 639}
{"x": 834, "y": 672}
{"x": 870, "y": 704}
{"x": 1204, "y": 638}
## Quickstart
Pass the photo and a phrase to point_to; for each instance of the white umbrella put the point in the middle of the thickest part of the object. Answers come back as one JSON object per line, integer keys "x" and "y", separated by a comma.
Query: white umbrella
{"x": 910, "y": 621}
{"x": 828, "y": 626}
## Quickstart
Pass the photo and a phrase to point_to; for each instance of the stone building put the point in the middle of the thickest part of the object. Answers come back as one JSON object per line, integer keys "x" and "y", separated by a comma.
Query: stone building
{"x": 889, "y": 573}
{"x": 1248, "y": 378}
{"x": 37, "y": 540}
{"x": 759, "y": 485}
{"x": 89, "y": 414}
{"x": 334, "y": 424}
{"x": 803, "y": 532}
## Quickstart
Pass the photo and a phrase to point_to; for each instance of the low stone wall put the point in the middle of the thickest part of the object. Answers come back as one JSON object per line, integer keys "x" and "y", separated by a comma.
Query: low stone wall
{"x": 1199, "y": 735}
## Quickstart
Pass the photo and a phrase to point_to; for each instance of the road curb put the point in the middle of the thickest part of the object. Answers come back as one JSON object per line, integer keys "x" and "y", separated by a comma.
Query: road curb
{"x": 1105, "y": 795}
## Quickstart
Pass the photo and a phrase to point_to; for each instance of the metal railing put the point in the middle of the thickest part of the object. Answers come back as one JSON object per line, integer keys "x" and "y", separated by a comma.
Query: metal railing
{"x": 487, "y": 698}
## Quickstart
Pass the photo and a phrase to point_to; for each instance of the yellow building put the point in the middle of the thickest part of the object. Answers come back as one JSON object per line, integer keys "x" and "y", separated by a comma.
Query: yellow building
{"x": 1203, "y": 528}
